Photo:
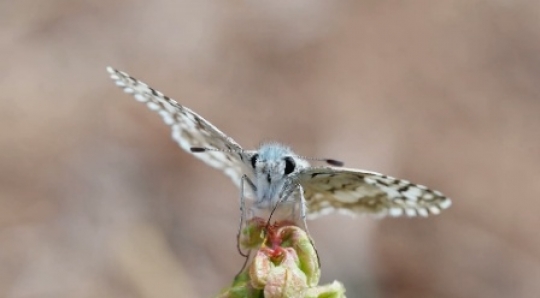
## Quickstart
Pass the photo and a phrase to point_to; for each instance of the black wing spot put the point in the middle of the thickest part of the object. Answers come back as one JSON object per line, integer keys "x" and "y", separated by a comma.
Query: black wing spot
{"x": 404, "y": 188}
{"x": 315, "y": 175}
{"x": 383, "y": 183}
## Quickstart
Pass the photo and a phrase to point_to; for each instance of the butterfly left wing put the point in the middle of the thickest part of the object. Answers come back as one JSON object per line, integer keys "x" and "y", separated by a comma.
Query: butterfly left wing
{"x": 188, "y": 129}
{"x": 328, "y": 189}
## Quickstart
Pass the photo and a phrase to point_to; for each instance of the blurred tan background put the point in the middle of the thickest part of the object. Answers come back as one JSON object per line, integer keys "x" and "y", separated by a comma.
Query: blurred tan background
{"x": 97, "y": 201}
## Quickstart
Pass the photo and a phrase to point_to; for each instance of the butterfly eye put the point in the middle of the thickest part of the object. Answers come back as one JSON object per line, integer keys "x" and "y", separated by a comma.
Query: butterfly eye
{"x": 289, "y": 165}
{"x": 254, "y": 159}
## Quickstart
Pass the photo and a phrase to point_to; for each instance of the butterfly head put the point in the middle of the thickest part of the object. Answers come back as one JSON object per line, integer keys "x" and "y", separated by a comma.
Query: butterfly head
{"x": 272, "y": 164}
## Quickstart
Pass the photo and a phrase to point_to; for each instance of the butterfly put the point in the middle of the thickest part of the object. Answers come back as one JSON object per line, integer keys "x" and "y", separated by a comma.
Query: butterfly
{"x": 273, "y": 173}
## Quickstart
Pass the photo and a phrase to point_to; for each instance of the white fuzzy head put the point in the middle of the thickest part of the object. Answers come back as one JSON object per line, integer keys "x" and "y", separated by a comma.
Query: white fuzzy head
{"x": 272, "y": 165}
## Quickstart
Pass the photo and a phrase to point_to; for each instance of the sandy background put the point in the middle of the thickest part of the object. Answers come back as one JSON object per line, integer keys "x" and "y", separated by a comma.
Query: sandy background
{"x": 97, "y": 201}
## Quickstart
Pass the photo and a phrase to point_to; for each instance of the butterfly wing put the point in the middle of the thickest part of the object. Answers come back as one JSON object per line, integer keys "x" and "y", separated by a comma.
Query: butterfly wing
{"x": 188, "y": 128}
{"x": 328, "y": 189}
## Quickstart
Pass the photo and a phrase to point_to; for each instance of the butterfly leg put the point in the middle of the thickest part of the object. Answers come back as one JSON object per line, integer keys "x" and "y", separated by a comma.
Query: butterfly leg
{"x": 303, "y": 216}
{"x": 245, "y": 179}
{"x": 303, "y": 208}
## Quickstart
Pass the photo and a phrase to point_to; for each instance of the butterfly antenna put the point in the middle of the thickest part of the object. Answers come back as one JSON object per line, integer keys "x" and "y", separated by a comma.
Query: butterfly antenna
{"x": 200, "y": 149}
{"x": 332, "y": 162}
{"x": 205, "y": 149}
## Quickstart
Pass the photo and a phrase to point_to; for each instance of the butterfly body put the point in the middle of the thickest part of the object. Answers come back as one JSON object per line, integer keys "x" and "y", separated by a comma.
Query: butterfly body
{"x": 274, "y": 173}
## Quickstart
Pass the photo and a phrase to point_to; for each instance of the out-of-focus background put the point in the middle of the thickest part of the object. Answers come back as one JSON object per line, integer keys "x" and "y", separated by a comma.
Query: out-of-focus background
{"x": 96, "y": 200}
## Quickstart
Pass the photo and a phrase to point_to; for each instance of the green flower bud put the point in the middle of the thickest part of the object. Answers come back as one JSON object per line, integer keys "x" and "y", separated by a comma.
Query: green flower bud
{"x": 286, "y": 265}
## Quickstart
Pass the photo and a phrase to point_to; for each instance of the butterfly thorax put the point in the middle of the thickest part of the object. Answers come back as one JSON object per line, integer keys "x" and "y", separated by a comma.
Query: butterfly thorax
{"x": 273, "y": 165}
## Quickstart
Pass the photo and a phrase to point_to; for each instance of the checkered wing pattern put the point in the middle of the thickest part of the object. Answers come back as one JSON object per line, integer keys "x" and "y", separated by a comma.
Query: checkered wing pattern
{"x": 188, "y": 128}
{"x": 328, "y": 189}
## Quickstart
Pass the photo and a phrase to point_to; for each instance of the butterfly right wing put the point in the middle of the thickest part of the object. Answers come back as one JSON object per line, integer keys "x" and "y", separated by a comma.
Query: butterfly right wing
{"x": 353, "y": 191}
{"x": 188, "y": 129}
